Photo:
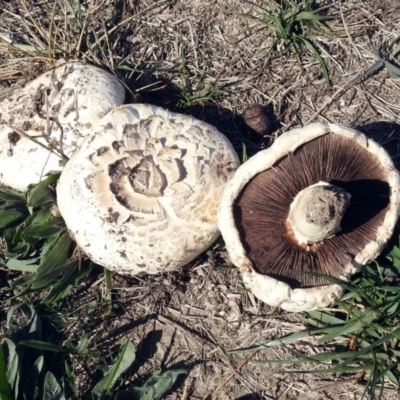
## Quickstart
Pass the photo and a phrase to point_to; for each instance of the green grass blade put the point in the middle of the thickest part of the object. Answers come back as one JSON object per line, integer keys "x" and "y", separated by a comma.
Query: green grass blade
{"x": 40, "y": 345}
{"x": 318, "y": 57}
{"x": 336, "y": 369}
{"x": 350, "y": 327}
{"x": 278, "y": 342}
{"x": 370, "y": 71}
{"x": 392, "y": 69}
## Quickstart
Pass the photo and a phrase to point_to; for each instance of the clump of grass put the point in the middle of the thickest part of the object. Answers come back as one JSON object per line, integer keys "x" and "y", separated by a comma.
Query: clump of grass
{"x": 63, "y": 30}
{"x": 293, "y": 26}
{"x": 365, "y": 325}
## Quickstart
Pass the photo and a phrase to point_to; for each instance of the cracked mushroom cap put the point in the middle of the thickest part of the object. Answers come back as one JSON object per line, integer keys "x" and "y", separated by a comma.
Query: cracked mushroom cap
{"x": 142, "y": 193}
{"x": 57, "y": 109}
{"x": 322, "y": 199}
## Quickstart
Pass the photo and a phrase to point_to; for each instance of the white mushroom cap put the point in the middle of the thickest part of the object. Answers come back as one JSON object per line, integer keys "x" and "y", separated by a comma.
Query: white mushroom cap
{"x": 58, "y": 109}
{"x": 142, "y": 193}
{"x": 274, "y": 291}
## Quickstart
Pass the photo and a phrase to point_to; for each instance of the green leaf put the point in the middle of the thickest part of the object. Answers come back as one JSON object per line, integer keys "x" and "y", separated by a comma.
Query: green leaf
{"x": 324, "y": 318}
{"x": 370, "y": 71}
{"x": 392, "y": 69}
{"x": 154, "y": 388}
{"x": 40, "y": 194}
{"x": 40, "y": 345}
{"x": 5, "y": 389}
{"x": 30, "y": 329}
{"x": 43, "y": 225}
{"x": 317, "y": 56}
{"x": 22, "y": 265}
{"x": 72, "y": 273}
{"x": 13, "y": 376}
{"x": 8, "y": 218}
{"x": 58, "y": 255}
{"x": 12, "y": 196}
{"x": 127, "y": 68}
{"x": 278, "y": 342}
{"x": 51, "y": 389}
{"x": 124, "y": 361}
{"x": 350, "y": 327}
{"x": 31, "y": 387}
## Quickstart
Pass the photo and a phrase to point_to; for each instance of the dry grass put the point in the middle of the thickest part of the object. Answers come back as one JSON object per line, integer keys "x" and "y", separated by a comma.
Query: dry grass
{"x": 194, "y": 316}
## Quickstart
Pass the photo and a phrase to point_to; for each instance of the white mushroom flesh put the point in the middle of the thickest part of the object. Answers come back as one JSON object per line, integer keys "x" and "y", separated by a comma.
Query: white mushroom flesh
{"x": 57, "y": 109}
{"x": 141, "y": 195}
{"x": 316, "y": 212}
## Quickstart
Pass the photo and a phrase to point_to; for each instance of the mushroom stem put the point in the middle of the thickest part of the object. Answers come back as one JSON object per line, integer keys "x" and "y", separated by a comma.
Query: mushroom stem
{"x": 316, "y": 212}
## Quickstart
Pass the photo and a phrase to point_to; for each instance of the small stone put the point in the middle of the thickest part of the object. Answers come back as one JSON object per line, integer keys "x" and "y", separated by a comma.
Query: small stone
{"x": 257, "y": 119}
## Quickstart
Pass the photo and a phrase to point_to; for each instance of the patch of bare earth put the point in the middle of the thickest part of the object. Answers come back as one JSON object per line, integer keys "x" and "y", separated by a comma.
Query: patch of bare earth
{"x": 193, "y": 317}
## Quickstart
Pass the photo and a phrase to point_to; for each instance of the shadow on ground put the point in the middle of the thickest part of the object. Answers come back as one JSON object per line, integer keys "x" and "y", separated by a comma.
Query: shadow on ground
{"x": 387, "y": 134}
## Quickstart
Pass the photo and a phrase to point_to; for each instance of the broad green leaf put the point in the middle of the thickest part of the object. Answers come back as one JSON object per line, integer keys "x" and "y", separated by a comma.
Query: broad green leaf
{"x": 22, "y": 265}
{"x": 31, "y": 387}
{"x": 395, "y": 252}
{"x": 44, "y": 225}
{"x": 154, "y": 388}
{"x": 31, "y": 329}
{"x": 391, "y": 376}
{"x": 13, "y": 364}
{"x": 40, "y": 345}
{"x": 8, "y": 218}
{"x": 57, "y": 256}
{"x": 52, "y": 389}
{"x": 124, "y": 361}
{"x": 5, "y": 389}
{"x": 72, "y": 273}
{"x": 40, "y": 194}
{"x": 10, "y": 195}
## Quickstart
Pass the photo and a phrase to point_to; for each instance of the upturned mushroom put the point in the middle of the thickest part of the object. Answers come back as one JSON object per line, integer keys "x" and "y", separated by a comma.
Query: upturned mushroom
{"x": 323, "y": 199}
{"x": 43, "y": 123}
{"x": 142, "y": 192}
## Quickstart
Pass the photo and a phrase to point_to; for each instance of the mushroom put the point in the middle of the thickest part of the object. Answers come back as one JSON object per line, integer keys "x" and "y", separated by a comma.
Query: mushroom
{"x": 323, "y": 199}
{"x": 142, "y": 192}
{"x": 43, "y": 123}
